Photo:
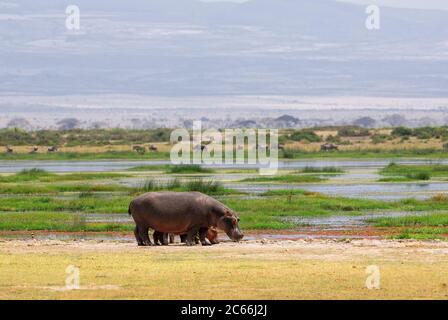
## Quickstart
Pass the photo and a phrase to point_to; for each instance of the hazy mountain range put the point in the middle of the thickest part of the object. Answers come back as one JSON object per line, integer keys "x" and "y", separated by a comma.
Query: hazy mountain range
{"x": 188, "y": 48}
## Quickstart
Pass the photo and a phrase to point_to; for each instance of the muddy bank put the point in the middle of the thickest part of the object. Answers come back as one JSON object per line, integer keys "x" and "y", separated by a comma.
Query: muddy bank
{"x": 366, "y": 232}
{"x": 321, "y": 249}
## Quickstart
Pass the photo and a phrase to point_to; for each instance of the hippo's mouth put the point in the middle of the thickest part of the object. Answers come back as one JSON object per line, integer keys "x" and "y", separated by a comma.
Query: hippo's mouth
{"x": 235, "y": 235}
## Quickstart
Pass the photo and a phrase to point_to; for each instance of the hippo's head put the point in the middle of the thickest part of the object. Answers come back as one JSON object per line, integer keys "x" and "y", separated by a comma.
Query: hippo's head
{"x": 229, "y": 224}
{"x": 212, "y": 235}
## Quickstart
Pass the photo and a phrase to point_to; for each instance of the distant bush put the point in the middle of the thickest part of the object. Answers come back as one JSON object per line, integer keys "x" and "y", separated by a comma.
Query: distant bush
{"x": 200, "y": 185}
{"x": 305, "y": 135}
{"x": 288, "y": 154}
{"x": 423, "y": 133}
{"x": 204, "y": 186}
{"x": 333, "y": 139}
{"x": 353, "y": 132}
{"x": 419, "y": 176}
{"x": 379, "y": 138}
{"x": 402, "y": 132}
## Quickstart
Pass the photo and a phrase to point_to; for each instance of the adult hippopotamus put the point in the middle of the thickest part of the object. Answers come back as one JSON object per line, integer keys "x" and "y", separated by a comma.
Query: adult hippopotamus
{"x": 181, "y": 213}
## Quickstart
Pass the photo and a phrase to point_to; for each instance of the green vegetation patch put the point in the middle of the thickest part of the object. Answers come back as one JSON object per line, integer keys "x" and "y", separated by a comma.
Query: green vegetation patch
{"x": 399, "y": 172}
{"x": 286, "y": 179}
{"x": 45, "y": 176}
{"x": 432, "y": 220}
{"x": 205, "y": 186}
{"x": 60, "y": 221}
{"x": 322, "y": 170}
{"x": 193, "y": 168}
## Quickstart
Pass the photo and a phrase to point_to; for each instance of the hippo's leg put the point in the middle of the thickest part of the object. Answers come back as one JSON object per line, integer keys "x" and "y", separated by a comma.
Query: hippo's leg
{"x": 203, "y": 237}
{"x": 143, "y": 233}
{"x": 183, "y": 238}
{"x": 171, "y": 236}
{"x": 191, "y": 235}
{"x": 137, "y": 236}
{"x": 156, "y": 236}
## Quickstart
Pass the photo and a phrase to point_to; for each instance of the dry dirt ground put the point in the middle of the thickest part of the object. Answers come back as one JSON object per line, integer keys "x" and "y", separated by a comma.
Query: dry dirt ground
{"x": 257, "y": 269}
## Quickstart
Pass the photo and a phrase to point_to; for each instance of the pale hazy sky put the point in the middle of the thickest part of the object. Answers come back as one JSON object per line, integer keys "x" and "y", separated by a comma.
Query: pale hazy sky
{"x": 421, "y": 4}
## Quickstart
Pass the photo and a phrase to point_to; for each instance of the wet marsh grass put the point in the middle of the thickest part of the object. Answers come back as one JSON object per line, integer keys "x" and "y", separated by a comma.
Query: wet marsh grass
{"x": 172, "y": 169}
{"x": 39, "y": 175}
{"x": 206, "y": 186}
{"x": 285, "y": 179}
{"x": 184, "y": 169}
{"x": 426, "y": 227}
{"x": 399, "y": 172}
{"x": 46, "y": 205}
{"x": 60, "y": 221}
{"x": 309, "y": 169}
{"x": 12, "y": 189}
{"x": 269, "y": 211}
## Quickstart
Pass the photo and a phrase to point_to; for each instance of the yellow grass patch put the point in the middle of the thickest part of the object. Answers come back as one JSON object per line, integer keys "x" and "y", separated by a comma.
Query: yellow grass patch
{"x": 251, "y": 270}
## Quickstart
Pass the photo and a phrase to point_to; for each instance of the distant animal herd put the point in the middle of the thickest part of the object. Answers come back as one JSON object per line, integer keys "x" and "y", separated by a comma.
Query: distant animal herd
{"x": 51, "y": 149}
{"x": 33, "y": 150}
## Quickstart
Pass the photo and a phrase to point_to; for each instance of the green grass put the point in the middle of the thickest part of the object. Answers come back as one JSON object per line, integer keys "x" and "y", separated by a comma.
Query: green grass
{"x": 155, "y": 167}
{"x": 426, "y": 227}
{"x": 322, "y": 170}
{"x": 422, "y": 233}
{"x": 39, "y": 175}
{"x": 92, "y": 204}
{"x": 267, "y": 212}
{"x": 210, "y": 187}
{"x": 433, "y": 220}
{"x": 61, "y": 221}
{"x": 193, "y": 168}
{"x": 174, "y": 169}
{"x": 60, "y": 188}
{"x": 286, "y": 179}
{"x": 398, "y": 172}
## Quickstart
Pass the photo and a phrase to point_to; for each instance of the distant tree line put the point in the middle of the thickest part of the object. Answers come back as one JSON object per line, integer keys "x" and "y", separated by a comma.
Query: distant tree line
{"x": 423, "y": 133}
{"x": 78, "y": 137}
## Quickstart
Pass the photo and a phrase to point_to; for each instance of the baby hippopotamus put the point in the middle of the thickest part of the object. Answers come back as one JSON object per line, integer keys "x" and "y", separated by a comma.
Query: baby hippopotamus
{"x": 164, "y": 239}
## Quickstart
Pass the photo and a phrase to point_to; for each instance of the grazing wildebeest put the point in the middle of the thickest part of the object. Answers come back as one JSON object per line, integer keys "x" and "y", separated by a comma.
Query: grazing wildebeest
{"x": 52, "y": 149}
{"x": 153, "y": 148}
{"x": 9, "y": 150}
{"x": 181, "y": 213}
{"x": 329, "y": 147}
{"x": 34, "y": 150}
{"x": 139, "y": 149}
